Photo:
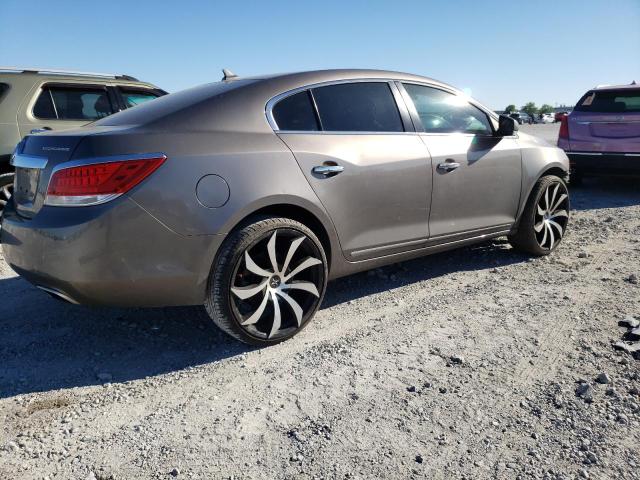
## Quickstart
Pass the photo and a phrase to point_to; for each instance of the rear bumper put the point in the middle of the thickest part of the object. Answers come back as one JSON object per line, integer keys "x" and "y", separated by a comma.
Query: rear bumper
{"x": 604, "y": 163}
{"x": 114, "y": 254}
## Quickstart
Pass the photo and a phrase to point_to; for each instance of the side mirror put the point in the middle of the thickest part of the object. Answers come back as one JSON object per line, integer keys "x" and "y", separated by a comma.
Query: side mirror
{"x": 506, "y": 126}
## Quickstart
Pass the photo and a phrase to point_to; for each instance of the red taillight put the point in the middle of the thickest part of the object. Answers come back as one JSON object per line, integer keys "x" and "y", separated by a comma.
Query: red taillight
{"x": 564, "y": 128}
{"x": 99, "y": 182}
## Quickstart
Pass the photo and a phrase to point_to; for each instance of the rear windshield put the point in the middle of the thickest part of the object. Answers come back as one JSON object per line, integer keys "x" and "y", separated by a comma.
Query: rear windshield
{"x": 150, "y": 112}
{"x": 610, "y": 101}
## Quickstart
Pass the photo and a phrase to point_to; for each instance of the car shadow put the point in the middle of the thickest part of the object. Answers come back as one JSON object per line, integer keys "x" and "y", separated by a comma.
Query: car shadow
{"x": 483, "y": 256}
{"x": 605, "y": 192}
{"x": 49, "y": 345}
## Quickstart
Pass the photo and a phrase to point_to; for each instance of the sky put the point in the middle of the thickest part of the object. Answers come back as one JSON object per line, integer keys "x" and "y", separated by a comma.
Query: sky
{"x": 501, "y": 52}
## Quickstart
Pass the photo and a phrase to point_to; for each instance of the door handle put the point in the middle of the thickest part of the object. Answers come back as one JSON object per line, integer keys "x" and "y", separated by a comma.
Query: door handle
{"x": 448, "y": 166}
{"x": 328, "y": 170}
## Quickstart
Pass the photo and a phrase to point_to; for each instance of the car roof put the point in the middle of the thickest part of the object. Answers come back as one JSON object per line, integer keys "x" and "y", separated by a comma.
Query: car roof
{"x": 631, "y": 86}
{"x": 320, "y": 76}
{"x": 240, "y": 103}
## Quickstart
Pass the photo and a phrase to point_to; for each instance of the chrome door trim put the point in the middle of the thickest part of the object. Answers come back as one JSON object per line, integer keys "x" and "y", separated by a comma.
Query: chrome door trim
{"x": 20, "y": 160}
{"x": 444, "y": 239}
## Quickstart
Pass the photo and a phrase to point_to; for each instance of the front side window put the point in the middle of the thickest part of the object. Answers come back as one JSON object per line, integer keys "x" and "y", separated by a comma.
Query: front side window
{"x": 296, "y": 113}
{"x": 71, "y": 103}
{"x": 443, "y": 112}
{"x": 358, "y": 107}
{"x": 610, "y": 101}
{"x": 132, "y": 97}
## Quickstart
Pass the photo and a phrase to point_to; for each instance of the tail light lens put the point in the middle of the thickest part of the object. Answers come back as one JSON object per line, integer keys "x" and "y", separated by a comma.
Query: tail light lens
{"x": 94, "y": 183}
{"x": 564, "y": 128}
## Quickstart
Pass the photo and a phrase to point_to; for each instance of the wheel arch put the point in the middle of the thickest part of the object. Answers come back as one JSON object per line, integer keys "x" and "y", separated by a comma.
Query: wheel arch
{"x": 556, "y": 168}
{"x": 299, "y": 214}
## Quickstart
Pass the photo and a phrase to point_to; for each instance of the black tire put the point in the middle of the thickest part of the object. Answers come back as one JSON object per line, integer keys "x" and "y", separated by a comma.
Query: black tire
{"x": 6, "y": 189}
{"x": 229, "y": 312}
{"x": 540, "y": 242}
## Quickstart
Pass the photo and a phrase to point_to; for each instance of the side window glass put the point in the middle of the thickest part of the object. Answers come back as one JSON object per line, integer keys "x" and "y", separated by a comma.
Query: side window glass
{"x": 43, "y": 108}
{"x": 295, "y": 112}
{"x": 443, "y": 112}
{"x": 358, "y": 107}
{"x": 133, "y": 97}
{"x": 70, "y": 103}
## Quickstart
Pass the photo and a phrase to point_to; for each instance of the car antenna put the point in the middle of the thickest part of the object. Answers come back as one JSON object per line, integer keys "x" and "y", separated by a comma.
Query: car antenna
{"x": 633, "y": 83}
{"x": 228, "y": 75}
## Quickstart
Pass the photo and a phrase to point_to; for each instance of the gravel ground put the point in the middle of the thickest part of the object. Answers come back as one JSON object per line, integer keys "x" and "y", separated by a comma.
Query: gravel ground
{"x": 476, "y": 363}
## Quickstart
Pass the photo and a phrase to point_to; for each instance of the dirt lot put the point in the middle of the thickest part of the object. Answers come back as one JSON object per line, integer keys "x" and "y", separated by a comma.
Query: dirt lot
{"x": 476, "y": 363}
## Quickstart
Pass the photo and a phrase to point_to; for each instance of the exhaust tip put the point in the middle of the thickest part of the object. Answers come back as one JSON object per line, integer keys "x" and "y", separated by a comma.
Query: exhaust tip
{"x": 58, "y": 295}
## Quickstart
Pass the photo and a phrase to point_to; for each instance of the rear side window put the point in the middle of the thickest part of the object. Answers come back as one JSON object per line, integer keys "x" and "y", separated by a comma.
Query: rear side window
{"x": 443, "y": 112}
{"x": 358, "y": 107}
{"x": 4, "y": 88}
{"x": 133, "y": 97}
{"x": 610, "y": 101}
{"x": 296, "y": 112}
{"x": 71, "y": 103}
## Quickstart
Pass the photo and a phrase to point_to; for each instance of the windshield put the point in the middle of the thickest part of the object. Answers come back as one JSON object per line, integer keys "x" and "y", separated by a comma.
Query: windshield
{"x": 610, "y": 101}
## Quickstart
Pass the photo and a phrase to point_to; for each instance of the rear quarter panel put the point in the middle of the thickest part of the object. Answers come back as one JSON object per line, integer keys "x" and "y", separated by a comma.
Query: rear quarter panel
{"x": 258, "y": 168}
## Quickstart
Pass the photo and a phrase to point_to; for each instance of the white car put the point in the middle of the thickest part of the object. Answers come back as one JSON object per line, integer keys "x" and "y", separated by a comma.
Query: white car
{"x": 547, "y": 118}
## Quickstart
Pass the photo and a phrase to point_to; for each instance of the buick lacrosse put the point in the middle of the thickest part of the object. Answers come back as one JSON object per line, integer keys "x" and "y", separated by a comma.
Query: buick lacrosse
{"x": 249, "y": 194}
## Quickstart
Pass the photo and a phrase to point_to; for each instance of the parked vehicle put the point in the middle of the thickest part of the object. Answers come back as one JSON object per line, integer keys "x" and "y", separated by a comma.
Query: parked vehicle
{"x": 547, "y": 118}
{"x": 601, "y": 136}
{"x": 558, "y": 116}
{"x": 33, "y": 99}
{"x": 521, "y": 118}
{"x": 248, "y": 195}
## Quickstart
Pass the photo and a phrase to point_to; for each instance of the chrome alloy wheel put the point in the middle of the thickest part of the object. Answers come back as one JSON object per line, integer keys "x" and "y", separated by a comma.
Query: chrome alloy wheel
{"x": 552, "y": 215}
{"x": 276, "y": 284}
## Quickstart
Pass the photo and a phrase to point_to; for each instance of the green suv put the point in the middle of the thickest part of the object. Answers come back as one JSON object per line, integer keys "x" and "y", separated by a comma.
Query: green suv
{"x": 33, "y": 100}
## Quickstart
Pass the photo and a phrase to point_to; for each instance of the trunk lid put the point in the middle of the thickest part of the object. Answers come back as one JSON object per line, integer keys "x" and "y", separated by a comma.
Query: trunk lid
{"x": 606, "y": 121}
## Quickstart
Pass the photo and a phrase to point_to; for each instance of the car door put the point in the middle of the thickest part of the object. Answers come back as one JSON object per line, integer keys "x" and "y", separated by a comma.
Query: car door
{"x": 476, "y": 174}
{"x": 373, "y": 176}
{"x": 62, "y": 106}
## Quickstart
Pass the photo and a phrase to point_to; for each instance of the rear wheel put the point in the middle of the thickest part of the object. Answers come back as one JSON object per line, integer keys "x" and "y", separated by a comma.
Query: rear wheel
{"x": 6, "y": 189}
{"x": 267, "y": 281}
{"x": 544, "y": 219}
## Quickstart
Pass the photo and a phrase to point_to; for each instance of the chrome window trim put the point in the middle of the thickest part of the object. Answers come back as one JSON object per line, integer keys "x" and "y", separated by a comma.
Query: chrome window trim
{"x": 611, "y": 122}
{"x": 620, "y": 154}
{"x": 272, "y": 102}
{"x": 330, "y": 132}
{"x": 20, "y": 160}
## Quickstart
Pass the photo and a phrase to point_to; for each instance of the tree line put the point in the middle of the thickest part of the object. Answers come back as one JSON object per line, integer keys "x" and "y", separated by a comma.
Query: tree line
{"x": 530, "y": 108}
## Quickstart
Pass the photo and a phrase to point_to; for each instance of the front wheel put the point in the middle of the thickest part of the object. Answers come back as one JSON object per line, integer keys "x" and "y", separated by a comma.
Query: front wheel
{"x": 545, "y": 217}
{"x": 267, "y": 281}
{"x": 6, "y": 189}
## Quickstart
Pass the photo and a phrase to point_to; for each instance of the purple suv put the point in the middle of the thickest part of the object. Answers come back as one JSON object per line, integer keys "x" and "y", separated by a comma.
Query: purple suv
{"x": 602, "y": 134}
